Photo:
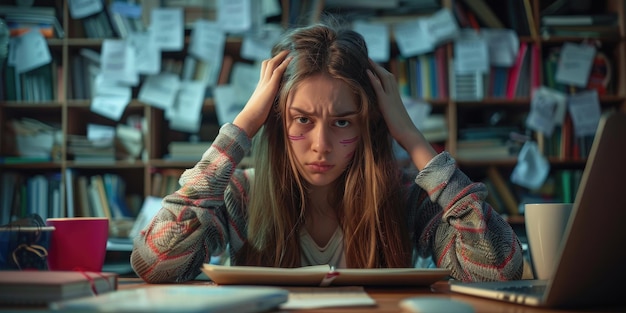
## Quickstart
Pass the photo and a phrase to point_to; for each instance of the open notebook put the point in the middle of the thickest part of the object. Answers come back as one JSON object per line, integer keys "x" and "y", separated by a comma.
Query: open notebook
{"x": 591, "y": 263}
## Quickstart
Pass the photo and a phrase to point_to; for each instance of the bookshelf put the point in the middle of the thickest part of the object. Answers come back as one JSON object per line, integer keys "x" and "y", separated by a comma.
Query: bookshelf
{"x": 69, "y": 111}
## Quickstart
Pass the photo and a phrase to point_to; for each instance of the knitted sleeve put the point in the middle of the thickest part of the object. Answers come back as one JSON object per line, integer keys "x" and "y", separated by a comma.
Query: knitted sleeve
{"x": 461, "y": 231}
{"x": 201, "y": 218}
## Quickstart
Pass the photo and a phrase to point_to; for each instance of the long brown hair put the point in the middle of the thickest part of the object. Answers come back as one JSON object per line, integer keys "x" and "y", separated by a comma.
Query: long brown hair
{"x": 368, "y": 197}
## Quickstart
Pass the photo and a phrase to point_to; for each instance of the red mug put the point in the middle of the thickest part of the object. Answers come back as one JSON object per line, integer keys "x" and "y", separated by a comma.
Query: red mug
{"x": 78, "y": 243}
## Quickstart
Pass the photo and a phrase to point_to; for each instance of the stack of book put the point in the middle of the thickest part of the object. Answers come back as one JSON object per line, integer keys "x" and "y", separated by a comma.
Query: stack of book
{"x": 21, "y": 20}
{"x": 39, "y": 288}
{"x": 84, "y": 149}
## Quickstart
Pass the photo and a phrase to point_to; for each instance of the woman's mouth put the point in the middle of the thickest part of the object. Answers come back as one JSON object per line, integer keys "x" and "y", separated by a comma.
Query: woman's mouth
{"x": 319, "y": 167}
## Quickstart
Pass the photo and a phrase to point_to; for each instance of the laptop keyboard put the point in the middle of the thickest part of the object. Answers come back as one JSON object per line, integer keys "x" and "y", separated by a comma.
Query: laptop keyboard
{"x": 530, "y": 289}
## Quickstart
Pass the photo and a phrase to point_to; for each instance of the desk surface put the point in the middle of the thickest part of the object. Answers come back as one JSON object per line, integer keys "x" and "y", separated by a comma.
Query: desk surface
{"x": 387, "y": 299}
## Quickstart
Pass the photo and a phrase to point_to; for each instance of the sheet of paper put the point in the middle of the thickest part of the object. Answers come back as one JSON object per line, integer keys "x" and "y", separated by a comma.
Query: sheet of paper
{"x": 532, "y": 167}
{"x": 207, "y": 44}
{"x": 110, "y": 99}
{"x": 412, "y": 38}
{"x": 226, "y": 104}
{"x": 377, "y": 38}
{"x": 442, "y": 26}
{"x": 147, "y": 54}
{"x": 167, "y": 28}
{"x": 245, "y": 78}
{"x": 258, "y": 46}
{"x": 584, "y": 108}
{"x": 117, "y": 62}
{"x": 207, "y": 40}
{"x": 575, "y": 64}
{"x": 160, "y": 90}
{"x": 547, "y": 109}
{"x": 97, "y": 132}
{"x": 186, "y": 114}
{"x": 471, "y": 55}
{"x": 503, "y": 46}
{"x": 31, "y": 51}
{"x": 270, "y": 8}
{"x": 234, "y": 16}
{"x": 326, "y": 297}
{"x": 83, "y": 8}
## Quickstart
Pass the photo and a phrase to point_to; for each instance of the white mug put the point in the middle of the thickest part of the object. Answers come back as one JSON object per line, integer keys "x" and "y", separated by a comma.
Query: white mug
{"x": 545, "y": 229}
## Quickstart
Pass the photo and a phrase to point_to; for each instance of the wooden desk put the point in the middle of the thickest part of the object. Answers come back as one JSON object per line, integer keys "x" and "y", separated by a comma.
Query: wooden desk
{"x": 388, "y": 299}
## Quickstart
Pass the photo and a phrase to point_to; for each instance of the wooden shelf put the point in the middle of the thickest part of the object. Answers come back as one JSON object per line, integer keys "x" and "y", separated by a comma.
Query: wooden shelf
{"x": 74, "y": 114}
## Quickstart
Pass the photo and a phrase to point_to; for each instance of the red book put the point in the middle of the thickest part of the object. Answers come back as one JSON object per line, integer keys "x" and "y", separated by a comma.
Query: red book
{"x": 514, "y": 73}
{"x": 535, "y": 68}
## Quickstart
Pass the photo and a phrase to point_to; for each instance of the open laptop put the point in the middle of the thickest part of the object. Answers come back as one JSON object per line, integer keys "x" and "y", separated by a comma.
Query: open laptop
{"x": 591, "y": 263}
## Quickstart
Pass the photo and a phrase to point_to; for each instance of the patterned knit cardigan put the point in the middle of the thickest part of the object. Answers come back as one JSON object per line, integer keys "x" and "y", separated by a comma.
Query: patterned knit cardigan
{"x": 447, "y": 216}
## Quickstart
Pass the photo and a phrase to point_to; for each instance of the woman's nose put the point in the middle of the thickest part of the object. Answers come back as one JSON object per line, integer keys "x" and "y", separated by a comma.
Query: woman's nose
{"x": 322, "y": 140}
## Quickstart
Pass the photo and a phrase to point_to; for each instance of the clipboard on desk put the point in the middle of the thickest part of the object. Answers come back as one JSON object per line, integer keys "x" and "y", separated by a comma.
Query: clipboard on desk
{"x": 323, "y": 275}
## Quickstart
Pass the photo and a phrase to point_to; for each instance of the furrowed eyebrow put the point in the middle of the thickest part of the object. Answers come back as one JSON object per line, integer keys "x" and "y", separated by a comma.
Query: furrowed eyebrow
{"x": 341, "y": 114}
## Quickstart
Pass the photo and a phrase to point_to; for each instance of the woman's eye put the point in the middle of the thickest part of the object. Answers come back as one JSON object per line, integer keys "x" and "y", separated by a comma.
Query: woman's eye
{"x": 302, "y": 120}
{"x": 342, "y": 123}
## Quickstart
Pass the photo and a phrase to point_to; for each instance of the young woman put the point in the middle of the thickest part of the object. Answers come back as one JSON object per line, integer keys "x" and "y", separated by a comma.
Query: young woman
{"x": 325, "y": 187}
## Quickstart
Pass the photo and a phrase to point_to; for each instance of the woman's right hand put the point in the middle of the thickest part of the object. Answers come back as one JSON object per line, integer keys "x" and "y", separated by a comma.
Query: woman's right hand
{"x": 254, "y": 114}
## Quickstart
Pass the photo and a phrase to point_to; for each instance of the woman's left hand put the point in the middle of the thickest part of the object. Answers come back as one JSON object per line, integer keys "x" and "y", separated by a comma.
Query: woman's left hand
{"x": 397, "y": 118}
{"x": 389, "y": 101}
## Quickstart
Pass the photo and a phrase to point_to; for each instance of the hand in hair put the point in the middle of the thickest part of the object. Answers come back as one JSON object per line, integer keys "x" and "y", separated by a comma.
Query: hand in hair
{"x": 260, "y": 103}
{"x": 398, "y": 120}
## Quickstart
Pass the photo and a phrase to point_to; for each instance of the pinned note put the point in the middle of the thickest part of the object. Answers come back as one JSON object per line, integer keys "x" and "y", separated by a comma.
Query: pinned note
{"x": 147, "y": 53}
{"x": 471, "y": 55}
{"x": 29, "y": 51}
{"x": 412, "y": 38}
{"x": 503, "y": 46}
{"x": 117, "y": 62}
{"x": 584, "y": 108}
{"x": 547, "y": 110}
{"x": 83, "y": 8}
{"x": 377, "y": 39}
{"x": 575, "y": 64}
{"x": 110, "y": 98}
{"x": 186, "y": 115}
{"x": 160, "y": 90}
{"x": 258, "y": 46}
{"x": 235, "y": 16}
{"x": 167, "y": 28}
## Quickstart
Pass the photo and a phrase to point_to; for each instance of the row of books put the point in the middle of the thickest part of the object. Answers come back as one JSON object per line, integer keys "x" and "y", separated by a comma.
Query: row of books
{"x": 509, "y": 199}
{"x": 424, "y": 76}
{"x": 100, "y": 195}
{"x": 165, "y": 181}
{"x": 559, "y": 18}
{"x": 111, "y": 143}
{"x": 37, "y": 85}
{"x": 564, "y": 144}
{"x": 23, "y": 195}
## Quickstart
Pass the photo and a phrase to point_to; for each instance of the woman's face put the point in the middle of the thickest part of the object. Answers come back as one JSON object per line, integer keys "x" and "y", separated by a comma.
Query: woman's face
{"x": 322, "y": 127}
